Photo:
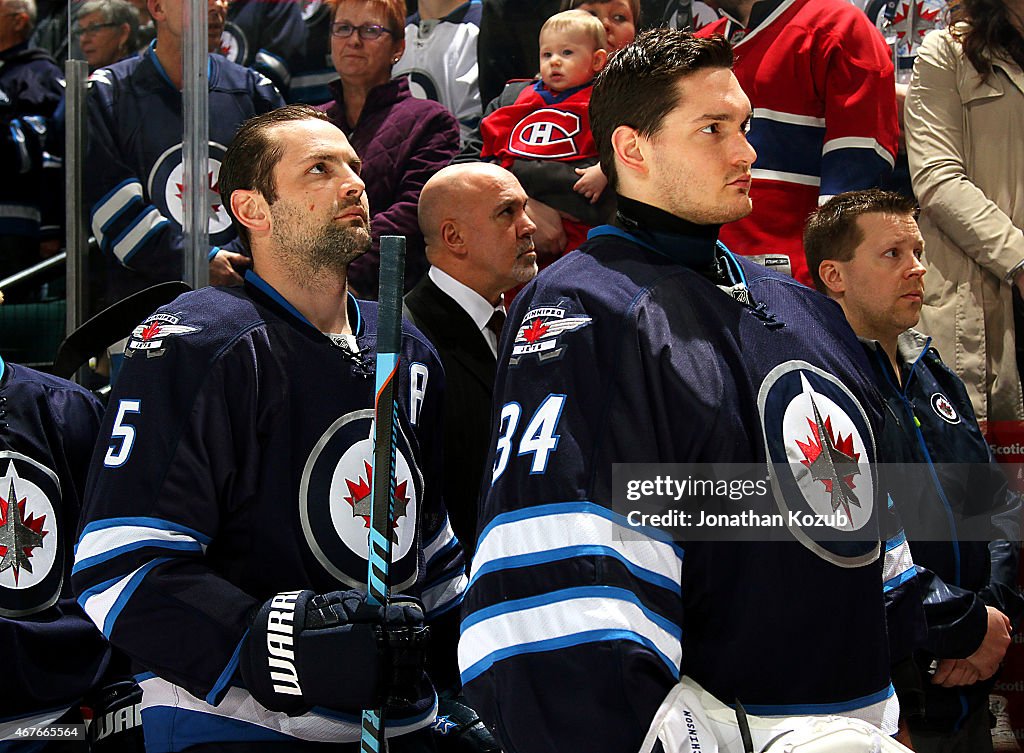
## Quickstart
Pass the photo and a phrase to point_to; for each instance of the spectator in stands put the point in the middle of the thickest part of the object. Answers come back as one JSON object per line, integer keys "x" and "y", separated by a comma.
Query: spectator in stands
{"x": 311, "y": 67}
{"x": 965, "y": 143}
{"x": 400, "y": 139}
{"x": 820, "y": 79}
{"x": 134, "y": 158}
{"x": 548, "y": 122}
{"x": 107, "y": 30}
{"x": 864, "y": 249}
{"x": 264, "y": 36}
{"x": 619, "y": 17}
{"x": 31, "y": 88}
{"x": 441, "y": 57}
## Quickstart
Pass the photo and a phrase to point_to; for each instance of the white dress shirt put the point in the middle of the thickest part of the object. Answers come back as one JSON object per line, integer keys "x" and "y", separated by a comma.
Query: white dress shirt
{"x": 474, "y": 304}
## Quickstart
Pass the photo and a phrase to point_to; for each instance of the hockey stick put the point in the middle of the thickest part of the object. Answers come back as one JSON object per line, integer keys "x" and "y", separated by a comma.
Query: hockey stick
{"x": 382, "y": 486}
{"x": 112, "y": 324}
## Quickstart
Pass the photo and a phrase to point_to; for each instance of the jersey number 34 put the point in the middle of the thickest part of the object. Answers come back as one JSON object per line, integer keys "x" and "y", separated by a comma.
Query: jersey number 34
{"x": 538, "y": 438}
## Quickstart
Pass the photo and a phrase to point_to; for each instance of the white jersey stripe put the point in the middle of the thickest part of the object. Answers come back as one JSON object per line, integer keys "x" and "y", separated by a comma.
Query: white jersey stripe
{"x": 858, "y": 142}
{"x": 125, "y": 194}
{"x": 803, "y": 180}
{"x": 788, "y": 117}
{"x": 130, "y": 242}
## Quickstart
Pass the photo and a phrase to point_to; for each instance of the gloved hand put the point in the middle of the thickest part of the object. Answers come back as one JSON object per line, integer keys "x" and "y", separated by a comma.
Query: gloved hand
{"x": 458, "y": 729}
{"x": 334, "y": 650}
{"x": 116, "y": 709}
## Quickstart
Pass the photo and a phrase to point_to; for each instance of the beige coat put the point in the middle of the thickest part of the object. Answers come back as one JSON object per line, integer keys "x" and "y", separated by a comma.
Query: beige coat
{"x": 965, "y": 141}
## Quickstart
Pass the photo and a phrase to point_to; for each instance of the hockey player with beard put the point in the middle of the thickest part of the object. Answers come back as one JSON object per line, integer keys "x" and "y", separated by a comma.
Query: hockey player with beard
{"x": 225, "y": 531}
{"x": 654, "y": 344}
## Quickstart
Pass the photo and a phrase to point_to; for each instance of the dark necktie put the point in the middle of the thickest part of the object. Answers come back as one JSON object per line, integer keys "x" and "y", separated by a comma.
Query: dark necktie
{"x": 496, "y": 322}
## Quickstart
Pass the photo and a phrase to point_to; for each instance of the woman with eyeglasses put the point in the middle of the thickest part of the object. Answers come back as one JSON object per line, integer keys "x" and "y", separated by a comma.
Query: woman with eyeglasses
{"x": 106, "y": 31}
{"x": 401, "y": 140}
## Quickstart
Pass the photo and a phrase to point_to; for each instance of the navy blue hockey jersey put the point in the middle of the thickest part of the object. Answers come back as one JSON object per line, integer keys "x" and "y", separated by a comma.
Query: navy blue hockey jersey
{"x": 575, "y": 629}
{"x": 52, "y": 653}
{"x": 234, "y": 464}
{"x": 134, "y": 163}
{"x": 264, "y": 36}
{"x": 312, "y": 69}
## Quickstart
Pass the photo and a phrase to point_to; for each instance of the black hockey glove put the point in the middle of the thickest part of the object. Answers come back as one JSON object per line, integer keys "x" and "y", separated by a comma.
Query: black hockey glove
{"x": 334, "y": 650}
{"x": 458, "y": 729}
{"x": 116, "y": 718}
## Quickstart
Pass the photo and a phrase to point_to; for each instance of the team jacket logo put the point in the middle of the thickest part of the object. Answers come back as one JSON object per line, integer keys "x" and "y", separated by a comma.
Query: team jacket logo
{"x": 944, "y": 409}
{"x": 546, "y": 134}
{"x": 335, "y": 502}
{"x": 310, "y": 9}
{"x": 166, "y": 184}
{"x": 819, "y": 446}
{"x": 422, "y": 84}
{"x": 233, "y": 44}
{"x": 150, "y": 336}
{"x": 540, "y": 331}
{"x": 31, "y": 556}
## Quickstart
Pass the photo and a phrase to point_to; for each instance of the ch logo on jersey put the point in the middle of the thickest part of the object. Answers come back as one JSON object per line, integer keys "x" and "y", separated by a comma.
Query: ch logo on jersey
{"x": 546, "y": 134}
{"x": 233, "y": 44}
{"x": 335, "y": 502}
{"x": 944, "y": 409}
{"x": 166, "y": 185}
{"x": 150, "y": 336}
{"x": 540, "y": 333}
{"x": 31, "y": 556}
{"x": 819, "y": 445}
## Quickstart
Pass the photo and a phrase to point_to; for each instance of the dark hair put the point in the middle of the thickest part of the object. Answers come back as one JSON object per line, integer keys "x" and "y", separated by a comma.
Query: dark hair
{"x": 987, "y": 30}
{"x": 832, "y": 232}
{"x": 638, "y": 86}
{"x": 252, "y": 156}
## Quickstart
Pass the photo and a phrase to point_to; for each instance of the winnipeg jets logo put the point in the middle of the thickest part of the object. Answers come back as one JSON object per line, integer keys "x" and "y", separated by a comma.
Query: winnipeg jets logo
{"x": 150, "y": 336}
{"x": 21, "y": 533}
{"x": 166, "y": 184}
{"x": 335, "y": 502}
{"x": 233, "y": 43}
{"x": 817, "y": 438}
{"x": 310, "y": 8}
{"x": 540, "y": 332}
{"x": 944, "y": 409}
{"x": 833, "y": 463}
{"x": 546, "y": 134}
{"x": 31, "y": 562}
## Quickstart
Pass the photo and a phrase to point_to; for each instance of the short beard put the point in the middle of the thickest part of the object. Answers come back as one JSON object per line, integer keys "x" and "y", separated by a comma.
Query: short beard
{"x": 522, "y": 270}
{"x": 313, "y": 251}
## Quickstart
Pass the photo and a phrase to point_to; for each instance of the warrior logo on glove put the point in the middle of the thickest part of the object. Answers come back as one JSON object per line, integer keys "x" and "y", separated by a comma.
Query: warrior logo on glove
{"x": 334, "y": 499}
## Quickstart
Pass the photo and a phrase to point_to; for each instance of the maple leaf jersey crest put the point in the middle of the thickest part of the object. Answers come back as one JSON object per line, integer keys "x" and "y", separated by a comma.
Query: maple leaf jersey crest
{"x": 820, "y": 449}
{"x": 151, "y": 336}
{"x": 31, "y": 540}
{"x": 335, "y": 502}
{"x": 165, "y": 186}
{"x": 540, "y": 331}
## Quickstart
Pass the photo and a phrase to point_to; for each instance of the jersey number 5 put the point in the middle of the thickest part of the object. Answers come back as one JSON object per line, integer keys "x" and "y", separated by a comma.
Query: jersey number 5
{"x": 123, "y": 435}
{"x": 538, "y": 438}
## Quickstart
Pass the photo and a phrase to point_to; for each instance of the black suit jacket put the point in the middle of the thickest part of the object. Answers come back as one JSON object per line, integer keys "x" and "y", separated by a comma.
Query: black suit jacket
{"x": 469, "y": 367}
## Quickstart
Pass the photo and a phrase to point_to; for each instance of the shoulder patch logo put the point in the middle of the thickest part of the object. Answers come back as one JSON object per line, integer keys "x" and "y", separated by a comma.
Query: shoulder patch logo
{"x": 31, "y": 556}
{"x": 540, "y": 332}
{"x": 150, "y": 336}
{"x": 944, "y": 409}
{"x": 546, "y": 134}
{"x": 820, "y": 447}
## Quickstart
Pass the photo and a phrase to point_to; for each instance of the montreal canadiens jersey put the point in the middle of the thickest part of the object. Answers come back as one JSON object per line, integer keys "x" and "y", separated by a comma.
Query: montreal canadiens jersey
{"x": 540, "y": 125}
{"x": 135, "y": 168}
{"x": 820, "y": 79}
{"x": 52, "y": 653}
{"x": 575, "y": 627}
{"x": 440, "y": 61}
{"x": 233, "y": 464}
{"x": 264, "y": 36}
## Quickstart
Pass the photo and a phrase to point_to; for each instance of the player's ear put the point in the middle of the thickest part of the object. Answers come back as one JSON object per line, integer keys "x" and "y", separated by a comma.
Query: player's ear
{"x": 628, "y": 146}
{"x": 831, "y": 274}
{"x": 598, "y": 60}
{"x": 155, "y": 8}
{"x": 250, "y": 209}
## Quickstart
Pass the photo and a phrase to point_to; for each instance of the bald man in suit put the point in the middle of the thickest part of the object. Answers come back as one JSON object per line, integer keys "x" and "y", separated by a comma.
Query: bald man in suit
{"x": 479, "y": 242}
